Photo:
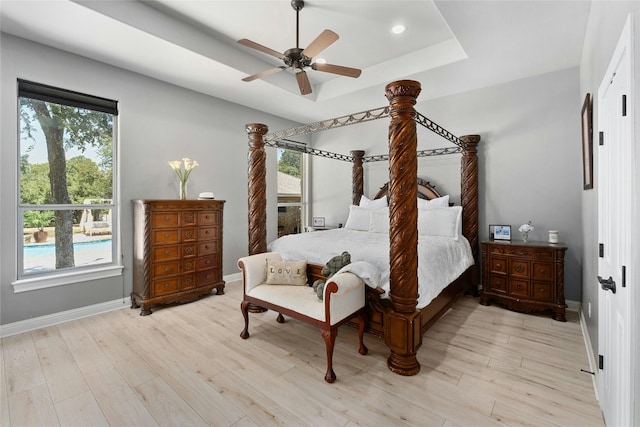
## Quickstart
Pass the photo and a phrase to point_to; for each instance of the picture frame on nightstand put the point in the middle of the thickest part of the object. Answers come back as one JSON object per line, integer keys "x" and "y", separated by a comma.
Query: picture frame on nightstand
{"x": 499, "y": 232}
{"x": 318, "y": 221}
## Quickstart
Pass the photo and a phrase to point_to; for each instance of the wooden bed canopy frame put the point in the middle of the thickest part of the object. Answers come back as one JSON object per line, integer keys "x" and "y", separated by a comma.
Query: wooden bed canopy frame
{"x": 395, "y": 319}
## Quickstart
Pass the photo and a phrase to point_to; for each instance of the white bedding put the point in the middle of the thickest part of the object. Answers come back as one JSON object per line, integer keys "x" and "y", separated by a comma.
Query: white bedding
{"x": 441, "y": 260}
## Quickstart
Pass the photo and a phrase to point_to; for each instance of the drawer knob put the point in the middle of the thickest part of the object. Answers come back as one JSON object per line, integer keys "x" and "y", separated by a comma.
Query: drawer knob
{"x": 189, "y": 250}
{"x": 167, "y": 251}
{"x": 189, "y": 234}
{"x": 208, "y": 261}
{"x": 207, "y": 232}
{"x": 542, "y": 270}
{"x": 498, "y": 265}
{"x": 519, "y": 268}
{"x": 167, "y": 269}
{"x": 519, "y": 287}
{"x": 166, "y": 285}
{"x": 166, "y": 217}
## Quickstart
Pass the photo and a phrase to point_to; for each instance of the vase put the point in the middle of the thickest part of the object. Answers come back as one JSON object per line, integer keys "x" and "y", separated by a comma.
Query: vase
{"x": 183, "y": 190}
{"x": 525, "y": 237}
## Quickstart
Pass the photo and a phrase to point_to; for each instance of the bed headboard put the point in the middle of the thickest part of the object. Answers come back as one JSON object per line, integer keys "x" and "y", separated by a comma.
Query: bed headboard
{"x": 425, "y": 190}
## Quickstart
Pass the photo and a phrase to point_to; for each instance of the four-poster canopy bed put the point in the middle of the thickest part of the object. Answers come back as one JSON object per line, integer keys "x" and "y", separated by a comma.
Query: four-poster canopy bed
{"x": 397, "y": 318}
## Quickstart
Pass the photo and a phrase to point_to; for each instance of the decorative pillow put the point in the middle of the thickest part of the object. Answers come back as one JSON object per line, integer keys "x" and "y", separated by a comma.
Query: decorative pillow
{"x": 358, "y": 218}
{"x": 379, "y": 221}
{"x": 365, "y": 202}
{"x": 287, "y": 273}
{"x": 438, "y": 202}
{"x": 440, "y": 221}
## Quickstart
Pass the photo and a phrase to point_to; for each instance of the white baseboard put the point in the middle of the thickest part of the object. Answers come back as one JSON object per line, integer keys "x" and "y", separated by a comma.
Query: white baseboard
{"x": 593, "y": 366}
{"x": 62, "y": 317}
{"x": 76, "y": 313}
{"x": 573, "y": 305}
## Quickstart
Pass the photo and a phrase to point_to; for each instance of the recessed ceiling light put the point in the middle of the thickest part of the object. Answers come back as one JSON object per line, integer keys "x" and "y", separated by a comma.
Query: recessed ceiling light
{"x": 398, "y": 29}
{"x": 321, "y": 61}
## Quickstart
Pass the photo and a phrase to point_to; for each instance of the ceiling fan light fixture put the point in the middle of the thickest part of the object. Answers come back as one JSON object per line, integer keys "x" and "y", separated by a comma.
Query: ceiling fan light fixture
{"x": 398, "y": 29}
{"x": 321, "y": 61}
{"x": 298, "y": 59}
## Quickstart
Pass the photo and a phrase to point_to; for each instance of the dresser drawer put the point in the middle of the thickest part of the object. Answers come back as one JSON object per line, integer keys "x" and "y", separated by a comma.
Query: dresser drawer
{"x": 209, "y": 276}
{"x": 165, "y": 219}
{"x": 208, "y": 218}
{"x": 542, "y": 271}
{"x": 189, "y": 250}
{"x": 188, "y": 265}
{"x": 188, "y": 218}
{"x": 519, "y": 268}
{"x": 543, "y": 255}
{"x": 189, "y": 234}
{"x": 542, "y": 291}
{"x": 498, "y": 265}
{"x": 166, "y": 286}
{"x": 208, "y": 248}
{"x": 207, "y": 262}
{"x": 166, "y": 237}
{"x": 166, "y": 253}
{"x": 188, "y": 281}
{"x": 208, "y": 233}
{"x": 166, "y": 268}
{"x": 519, "y": 288}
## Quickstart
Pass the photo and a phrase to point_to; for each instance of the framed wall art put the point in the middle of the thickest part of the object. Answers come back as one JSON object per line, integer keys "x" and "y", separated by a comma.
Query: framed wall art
{"x": 587, "y": 142}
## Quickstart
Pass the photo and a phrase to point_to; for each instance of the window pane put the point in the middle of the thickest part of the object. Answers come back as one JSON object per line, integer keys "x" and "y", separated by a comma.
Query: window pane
{"x": 68, "y": 162}
{"x": 90, "y": 239}
{"x": 289, "y": 220}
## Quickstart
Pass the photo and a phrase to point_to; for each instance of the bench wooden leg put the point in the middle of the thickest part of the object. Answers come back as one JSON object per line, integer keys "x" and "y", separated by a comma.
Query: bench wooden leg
{"x": 362, "y": 323}
{"x": 329, "y": 340}
{"x": 280, "y": 318}
{"x": 244, "y": 307}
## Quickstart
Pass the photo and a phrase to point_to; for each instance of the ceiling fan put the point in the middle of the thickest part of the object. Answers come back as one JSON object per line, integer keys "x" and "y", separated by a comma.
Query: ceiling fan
{"x": 299, "y": 59}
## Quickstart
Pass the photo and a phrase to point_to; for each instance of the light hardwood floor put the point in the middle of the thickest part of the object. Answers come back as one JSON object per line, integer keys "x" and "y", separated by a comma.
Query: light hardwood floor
{"x": 187, "y": 365}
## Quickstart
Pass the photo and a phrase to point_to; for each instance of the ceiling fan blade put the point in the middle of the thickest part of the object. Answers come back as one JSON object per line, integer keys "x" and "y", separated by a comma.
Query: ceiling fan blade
{"x": 263, "y": 49}
{"x": 303, "y": 83}
{"x": 264, "y": 73}
{"x": 337, "y": 69}
{"x": 323, "y": 41}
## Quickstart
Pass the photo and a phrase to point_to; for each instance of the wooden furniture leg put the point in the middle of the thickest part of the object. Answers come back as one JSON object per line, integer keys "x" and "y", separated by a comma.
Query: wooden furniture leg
{"x": 244, "y": 308}
{"x": 329, "y": 337}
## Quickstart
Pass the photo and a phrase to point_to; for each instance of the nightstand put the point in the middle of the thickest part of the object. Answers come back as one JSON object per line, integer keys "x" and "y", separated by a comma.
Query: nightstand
{"x": 524, "y": 276}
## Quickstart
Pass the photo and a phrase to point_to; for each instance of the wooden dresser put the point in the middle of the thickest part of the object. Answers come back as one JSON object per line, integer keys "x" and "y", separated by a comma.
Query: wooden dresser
{"x": 524, "y": 276}
{"x": 177, "y": 251}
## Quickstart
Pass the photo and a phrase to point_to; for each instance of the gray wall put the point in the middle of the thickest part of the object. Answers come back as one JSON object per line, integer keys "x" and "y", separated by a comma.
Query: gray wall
{"x": 530, "y": 159}
{"x": 605, "y": 25}
{"x": 158, "y": 122}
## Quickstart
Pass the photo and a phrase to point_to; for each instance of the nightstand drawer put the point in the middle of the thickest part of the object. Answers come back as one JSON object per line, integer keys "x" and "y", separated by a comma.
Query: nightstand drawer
{"x": 519, "y": 268}
{"x": 498, "y": 284}
{"x": 542, "y": 291}
{"x": 163, "y": 287}
{"x": 498, "y": 265}
{"x": 519, "y": 288}
{"x": 542, "y": 271}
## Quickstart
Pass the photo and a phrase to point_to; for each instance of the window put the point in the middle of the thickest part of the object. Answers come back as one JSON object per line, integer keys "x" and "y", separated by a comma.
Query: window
{"x": 290, "y": 202}
{"x": 67, "y": 202}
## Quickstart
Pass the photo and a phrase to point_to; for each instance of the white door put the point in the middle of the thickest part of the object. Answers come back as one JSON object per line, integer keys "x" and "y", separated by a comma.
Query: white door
{"x": 615, "y": 203}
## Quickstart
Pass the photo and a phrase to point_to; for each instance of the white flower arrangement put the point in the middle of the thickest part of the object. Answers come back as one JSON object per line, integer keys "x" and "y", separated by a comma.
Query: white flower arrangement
{"x": 525, "y": 229}
{"x": 183, "y": 170}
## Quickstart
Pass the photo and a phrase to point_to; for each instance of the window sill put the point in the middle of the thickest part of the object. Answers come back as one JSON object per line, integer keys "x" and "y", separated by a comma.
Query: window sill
{"x": 32, "y": 284}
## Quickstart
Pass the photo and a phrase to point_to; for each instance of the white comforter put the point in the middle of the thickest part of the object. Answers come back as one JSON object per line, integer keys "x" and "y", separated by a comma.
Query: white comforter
{"x": 441, "y": 260}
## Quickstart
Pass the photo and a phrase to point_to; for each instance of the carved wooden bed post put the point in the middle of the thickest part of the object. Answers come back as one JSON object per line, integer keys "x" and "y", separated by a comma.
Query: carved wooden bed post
{"x": 403, "y": 334}
{"x": 357, "y": 177}
{"x": 469, "y": 191}
{"x": 257, "y": 188}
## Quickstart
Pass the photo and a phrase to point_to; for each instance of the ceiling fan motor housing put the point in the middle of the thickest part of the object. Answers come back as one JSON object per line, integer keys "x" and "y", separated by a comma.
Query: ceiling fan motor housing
{"x": 295, "y": 57}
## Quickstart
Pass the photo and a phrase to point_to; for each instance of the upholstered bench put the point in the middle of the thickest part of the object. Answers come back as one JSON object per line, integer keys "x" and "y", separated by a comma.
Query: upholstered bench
{"x": 344, "y": 297}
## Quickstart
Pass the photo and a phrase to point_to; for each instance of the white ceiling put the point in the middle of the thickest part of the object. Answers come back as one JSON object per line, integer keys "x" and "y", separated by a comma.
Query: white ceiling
{"x": 449, "y": 46}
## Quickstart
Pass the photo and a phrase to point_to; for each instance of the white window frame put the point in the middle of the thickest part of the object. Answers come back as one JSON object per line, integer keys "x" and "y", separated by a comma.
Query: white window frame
{"x": 29, "y": 282}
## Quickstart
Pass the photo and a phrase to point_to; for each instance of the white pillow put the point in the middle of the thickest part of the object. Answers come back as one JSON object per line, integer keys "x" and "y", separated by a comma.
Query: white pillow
{"x": 379, "y": 221}
{"x": 358, "y": 218}
{"x": 438, "y": 202}
{"x": 365, "y": 202}
{"x": 439, "y": 221}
